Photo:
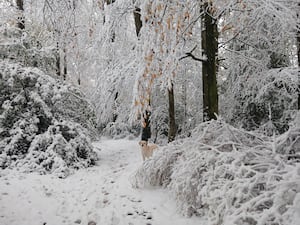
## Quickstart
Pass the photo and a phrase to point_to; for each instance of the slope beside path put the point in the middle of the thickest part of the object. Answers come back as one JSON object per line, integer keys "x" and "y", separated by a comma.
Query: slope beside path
{"x": 102, "y": 194}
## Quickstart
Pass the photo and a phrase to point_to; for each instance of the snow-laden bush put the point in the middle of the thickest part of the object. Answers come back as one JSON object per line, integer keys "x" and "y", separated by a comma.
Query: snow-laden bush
{"x": 62, "y": 146}
{"x": 268, "y": 105}
{"x": 44, "y": 124}
{"x": 229, "y": 175}
{"x": 20, "y": 47}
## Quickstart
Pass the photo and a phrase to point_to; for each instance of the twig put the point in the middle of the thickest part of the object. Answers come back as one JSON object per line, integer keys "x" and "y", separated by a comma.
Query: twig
{"x": 189, "y": 54}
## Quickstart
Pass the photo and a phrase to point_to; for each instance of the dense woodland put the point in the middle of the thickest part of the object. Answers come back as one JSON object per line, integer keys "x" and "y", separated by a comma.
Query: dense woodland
{"x": 216, "y": 82}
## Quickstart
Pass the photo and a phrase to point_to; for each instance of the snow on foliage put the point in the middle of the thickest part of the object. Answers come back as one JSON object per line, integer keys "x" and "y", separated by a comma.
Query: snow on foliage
{"x": 44, "y": 123}
{"x": 120, "y": 130}
{"x": 229, "y": 175}
{"x": 26, "y": 49}
{"x": 268, "y": 105}
{"x": 259, "y": 69}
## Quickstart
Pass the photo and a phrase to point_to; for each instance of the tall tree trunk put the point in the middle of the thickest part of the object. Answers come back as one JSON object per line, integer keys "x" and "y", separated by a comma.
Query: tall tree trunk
{"x": 65, "y": 63}
{"x": 115, "y": 114}
{"x": 112, "y": 34}
{"x": 209, "y": 44}
{"x": 146, "y": 128}
{"x": 172, "y": 123}
{"x": 137, "y": 20}
{"x": 184, "y": 106}
{"x": 21, "y": 19}
{"x": 298, "y": 54}
{"x": 58, "y": 73}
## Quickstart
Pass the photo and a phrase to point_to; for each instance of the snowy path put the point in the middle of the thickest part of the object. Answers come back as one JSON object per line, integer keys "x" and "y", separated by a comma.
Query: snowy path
{"x": 102, "y": 194}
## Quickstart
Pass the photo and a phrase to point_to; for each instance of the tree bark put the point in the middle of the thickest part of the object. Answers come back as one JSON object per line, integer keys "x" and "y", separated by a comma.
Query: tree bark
{"x": 172, "y": 122}
{"x": 184, "y": 106}
{"x": 108, "y": 2}
{"x": 137, "y": 20}
{"x": 58, "y": 73}
{"x": 146, "y": 129}
{"x": 65, "y": 63}
{"x": 298, "y": 54}
{"x": 115, "y": 114}
{"x": 209, "y": 44}
{"x": 21, "y": 19}
{"x": 112, "y": 32}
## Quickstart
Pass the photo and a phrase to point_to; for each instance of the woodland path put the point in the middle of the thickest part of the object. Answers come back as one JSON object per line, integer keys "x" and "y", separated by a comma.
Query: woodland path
{"x": 102, "y": 194}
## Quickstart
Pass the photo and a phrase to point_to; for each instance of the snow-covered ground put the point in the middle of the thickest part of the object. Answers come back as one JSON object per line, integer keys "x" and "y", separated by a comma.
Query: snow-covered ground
{"x": 102, "y": 194}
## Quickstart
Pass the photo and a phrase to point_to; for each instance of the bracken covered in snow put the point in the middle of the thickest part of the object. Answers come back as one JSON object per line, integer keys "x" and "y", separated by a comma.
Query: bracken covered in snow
{"x": 230, "y": 176}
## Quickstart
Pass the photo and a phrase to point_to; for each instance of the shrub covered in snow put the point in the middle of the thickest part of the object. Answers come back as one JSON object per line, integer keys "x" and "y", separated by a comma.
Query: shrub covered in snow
{"x": 229, "y": 175}
{"x": 44, "y": 123}
{"x": 268, "y": 105}
{"x": 25, "y": 49}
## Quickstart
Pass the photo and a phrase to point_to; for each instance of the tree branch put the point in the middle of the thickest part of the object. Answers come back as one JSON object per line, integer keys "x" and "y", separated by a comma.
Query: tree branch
{"x": 189, "y": 54}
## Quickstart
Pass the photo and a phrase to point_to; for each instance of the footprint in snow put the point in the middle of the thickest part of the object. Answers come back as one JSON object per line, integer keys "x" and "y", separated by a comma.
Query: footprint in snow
{"x": 134, "y": 200}
{"x": 78, "y": 221}
{"x": 104, "y": 192}
{"x": 102, "y": 204}
{"x": 143, "y": 213}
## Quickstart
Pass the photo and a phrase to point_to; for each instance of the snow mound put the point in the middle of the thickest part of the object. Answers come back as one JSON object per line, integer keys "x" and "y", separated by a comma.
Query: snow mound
{"x": 230, "y": 176}
{"x": 44, "y": 123}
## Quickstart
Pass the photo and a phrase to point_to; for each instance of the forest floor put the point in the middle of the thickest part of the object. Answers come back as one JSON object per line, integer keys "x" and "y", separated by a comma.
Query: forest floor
{"x": 102, "y": 194}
